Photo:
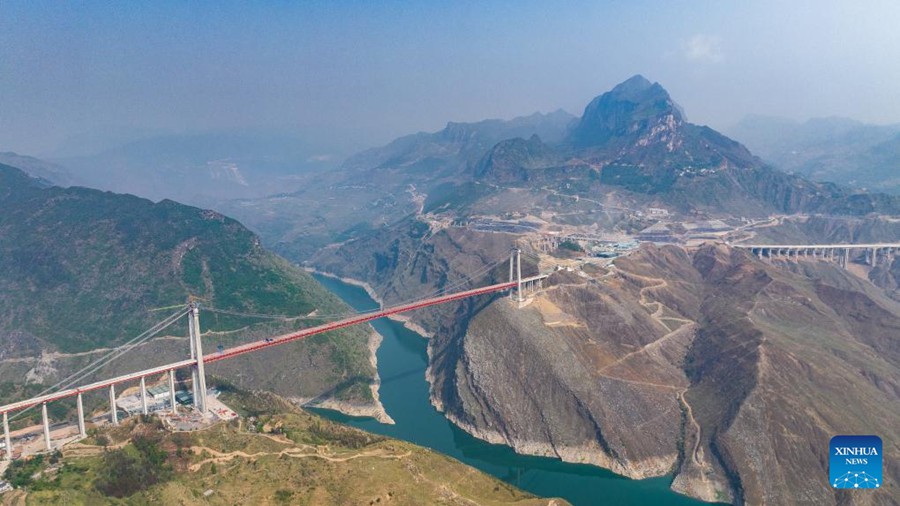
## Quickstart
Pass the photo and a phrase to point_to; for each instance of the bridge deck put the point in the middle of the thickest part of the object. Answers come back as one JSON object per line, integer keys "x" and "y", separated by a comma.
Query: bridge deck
{"x": 810, "y": 246}
{"x": 247, "y": 348}
{"x": 534, "y": 278}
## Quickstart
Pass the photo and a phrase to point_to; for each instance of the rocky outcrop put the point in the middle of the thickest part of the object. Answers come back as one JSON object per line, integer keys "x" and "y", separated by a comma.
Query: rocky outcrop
{"x": 728, "y": 372}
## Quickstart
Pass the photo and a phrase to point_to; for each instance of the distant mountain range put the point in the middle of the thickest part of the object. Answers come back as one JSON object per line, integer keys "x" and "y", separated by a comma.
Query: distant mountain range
{"x": 383, "y": 185}
{"x": 50, "y": 173}
{"x": 199, "y": 169}
{"x": 635, "y": 137}
{"x": 632, "y": 147}
{"x": 458, "y": 145}
{"x": 833, "y": 149}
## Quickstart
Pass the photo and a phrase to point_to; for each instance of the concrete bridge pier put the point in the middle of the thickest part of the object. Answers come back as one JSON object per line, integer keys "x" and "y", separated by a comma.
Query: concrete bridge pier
{"x": 46, "y": 421}
{"x": 6, "y": 438}
{"x": 872, "y": 254}
{"x": 113, "y": 415}
{"x": 144, "y": 396}
{"x": 80, "y": 406}
{"x": 172, "y": 392}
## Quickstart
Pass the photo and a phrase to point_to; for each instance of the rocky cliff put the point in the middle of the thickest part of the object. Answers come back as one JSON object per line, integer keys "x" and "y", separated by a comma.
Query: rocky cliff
{"x": 730, "y": 373}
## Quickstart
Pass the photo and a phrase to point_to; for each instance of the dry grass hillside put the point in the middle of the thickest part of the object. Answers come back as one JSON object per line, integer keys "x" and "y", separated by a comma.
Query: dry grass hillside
{"x": 281, "y": 455}
{"x": 729, "y": 372}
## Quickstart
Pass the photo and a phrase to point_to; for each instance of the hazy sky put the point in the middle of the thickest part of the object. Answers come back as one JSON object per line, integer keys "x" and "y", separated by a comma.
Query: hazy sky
{"x": 383, "y": 69}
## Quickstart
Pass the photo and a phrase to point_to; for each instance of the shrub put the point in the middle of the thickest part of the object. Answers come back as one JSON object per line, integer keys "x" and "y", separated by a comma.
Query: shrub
{"x": 571, "y": 246}
{"x": 20, "y": 472}
{"x": 123, "y": 473}
{"x": 283, "y": 496}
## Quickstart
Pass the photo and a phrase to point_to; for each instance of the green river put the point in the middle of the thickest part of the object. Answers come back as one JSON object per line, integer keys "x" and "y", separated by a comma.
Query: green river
{"x": 402, "y": 360}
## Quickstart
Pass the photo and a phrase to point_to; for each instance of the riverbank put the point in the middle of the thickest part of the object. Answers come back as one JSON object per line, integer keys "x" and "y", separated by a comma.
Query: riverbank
{"x": 403, "y": 319}
{"x": 374, "y": 410}
{"x": 405, "y": 393}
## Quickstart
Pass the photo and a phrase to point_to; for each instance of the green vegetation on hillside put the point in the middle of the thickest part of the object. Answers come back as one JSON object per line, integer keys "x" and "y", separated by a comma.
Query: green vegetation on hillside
{"x": 571, "y": 246}
{"x": 285, "y": 456}
{"x": 82, "y": 269}
{"x": 126, "y": 471}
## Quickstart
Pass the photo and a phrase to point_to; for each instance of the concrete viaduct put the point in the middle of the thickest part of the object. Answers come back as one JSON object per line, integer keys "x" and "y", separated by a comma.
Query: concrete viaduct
{"x": 872, "y": 254}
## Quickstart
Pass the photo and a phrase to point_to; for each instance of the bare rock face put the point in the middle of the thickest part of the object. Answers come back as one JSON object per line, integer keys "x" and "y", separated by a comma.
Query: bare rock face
{"x": 731, "y": 373}
{"x": 553, "y": 395}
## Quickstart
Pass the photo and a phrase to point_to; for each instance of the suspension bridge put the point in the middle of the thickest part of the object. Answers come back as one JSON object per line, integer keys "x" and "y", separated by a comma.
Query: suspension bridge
{"x": 517, "y": 286}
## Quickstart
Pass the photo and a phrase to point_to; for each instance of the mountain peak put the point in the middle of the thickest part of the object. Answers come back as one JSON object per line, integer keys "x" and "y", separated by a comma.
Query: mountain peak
{"x": 634, "y": 84}
{"x": 632, "y": 108}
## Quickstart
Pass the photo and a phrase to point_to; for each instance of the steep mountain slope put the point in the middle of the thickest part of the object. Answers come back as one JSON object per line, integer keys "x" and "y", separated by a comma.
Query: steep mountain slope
{"x": 828, "y": 149}
{"x": 730, "y": 372}
{"x": 82, "y": 269}
{"x": 835, "y": 230}
{"x": 637, "y": 138}
{"x": 621, "y": 117}
{"x": 706, "y": 363}
{"x": 294, "y": 458}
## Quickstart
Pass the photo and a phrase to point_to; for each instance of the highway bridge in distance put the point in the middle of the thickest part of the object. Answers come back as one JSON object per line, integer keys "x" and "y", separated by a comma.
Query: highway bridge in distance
{"x": 841, "y": 253}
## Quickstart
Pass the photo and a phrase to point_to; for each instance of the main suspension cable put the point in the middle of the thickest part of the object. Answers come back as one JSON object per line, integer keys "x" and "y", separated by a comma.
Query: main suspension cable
{"x": 109, "y": 357}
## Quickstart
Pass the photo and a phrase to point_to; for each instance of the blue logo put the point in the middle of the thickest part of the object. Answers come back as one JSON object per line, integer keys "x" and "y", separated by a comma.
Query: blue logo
{"x": 855, "y": 462}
